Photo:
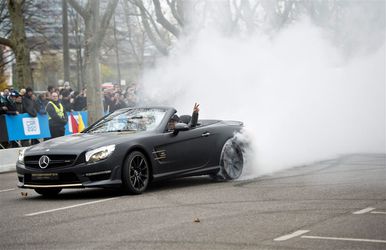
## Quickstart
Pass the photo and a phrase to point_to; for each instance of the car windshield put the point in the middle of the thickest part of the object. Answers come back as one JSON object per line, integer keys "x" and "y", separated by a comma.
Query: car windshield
{"x": 136, "y": 120}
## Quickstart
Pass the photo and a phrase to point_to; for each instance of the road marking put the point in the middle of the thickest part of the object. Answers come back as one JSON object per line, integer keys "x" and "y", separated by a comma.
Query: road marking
{"x": 68, "y": 207}
{"x": 378, "y": 212}
{"x": 363, "y": 211}
{"x": 6, "y": 190}
{"x": 292, "y": 235}
{"x": 345, "y": 239}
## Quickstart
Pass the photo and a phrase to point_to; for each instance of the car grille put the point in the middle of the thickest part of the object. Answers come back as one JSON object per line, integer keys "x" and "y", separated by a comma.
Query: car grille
{"x": 61, "y": 178}
{"x": 55, "y": 161}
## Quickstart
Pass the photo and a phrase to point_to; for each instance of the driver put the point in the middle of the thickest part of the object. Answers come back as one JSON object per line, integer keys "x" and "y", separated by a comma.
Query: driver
{"x": 193, "y": 123}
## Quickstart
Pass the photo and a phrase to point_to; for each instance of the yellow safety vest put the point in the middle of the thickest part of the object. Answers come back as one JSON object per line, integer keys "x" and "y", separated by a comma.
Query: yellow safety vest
{"x": 59, "y": 111}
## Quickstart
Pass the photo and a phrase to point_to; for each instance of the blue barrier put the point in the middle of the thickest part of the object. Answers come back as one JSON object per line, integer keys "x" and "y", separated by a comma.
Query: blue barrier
{"x": 25, "y": 127}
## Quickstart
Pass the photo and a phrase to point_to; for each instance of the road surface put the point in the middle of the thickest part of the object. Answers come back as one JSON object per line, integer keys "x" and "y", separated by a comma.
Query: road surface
{"x": 334, "y": 204}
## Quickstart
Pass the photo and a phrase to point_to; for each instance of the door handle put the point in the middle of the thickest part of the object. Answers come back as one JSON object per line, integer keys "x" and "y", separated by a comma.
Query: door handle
{"x": 206, "y": 134}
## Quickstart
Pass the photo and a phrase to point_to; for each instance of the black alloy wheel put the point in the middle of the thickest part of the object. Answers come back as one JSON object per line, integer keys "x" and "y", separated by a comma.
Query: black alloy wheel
{"x": 48, "y": 192}
{"x": 231, "y": 160}
{"x": 136, "y": 173}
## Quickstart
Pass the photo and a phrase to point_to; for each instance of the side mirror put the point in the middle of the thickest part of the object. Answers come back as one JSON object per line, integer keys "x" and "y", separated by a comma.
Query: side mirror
{"x": 180, "y": 127}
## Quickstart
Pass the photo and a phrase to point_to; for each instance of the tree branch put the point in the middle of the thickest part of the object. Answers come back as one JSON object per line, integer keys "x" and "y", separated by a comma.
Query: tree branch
{"x": 6, "y": 42}
{"x": 106, "y": 20}
{"x": 161, "y": 47}
{"x": 173, "y": 7}
{"x": 163, "y": 21}
{"x": 81, "y": 11}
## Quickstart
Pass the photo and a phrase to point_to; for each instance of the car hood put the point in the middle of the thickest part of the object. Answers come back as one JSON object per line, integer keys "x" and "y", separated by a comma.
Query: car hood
{"x": 78, "y": 143}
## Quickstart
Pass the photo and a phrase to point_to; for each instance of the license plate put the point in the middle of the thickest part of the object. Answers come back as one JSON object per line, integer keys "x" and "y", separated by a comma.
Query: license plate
{"x": 45, "y": 176}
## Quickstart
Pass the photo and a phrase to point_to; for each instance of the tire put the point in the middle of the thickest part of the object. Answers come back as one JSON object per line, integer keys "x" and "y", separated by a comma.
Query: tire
{"x": 136, "y": 173}
{"x": 48, "y": 192}
{"x": 231, "y": 162}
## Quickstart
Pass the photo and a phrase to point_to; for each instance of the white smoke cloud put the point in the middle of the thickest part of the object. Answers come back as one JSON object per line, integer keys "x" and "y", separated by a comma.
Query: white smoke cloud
{"x": 299, "y": 98}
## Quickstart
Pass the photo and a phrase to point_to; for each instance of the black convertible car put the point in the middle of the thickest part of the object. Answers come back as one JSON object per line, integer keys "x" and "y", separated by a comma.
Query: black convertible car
{"x": 129, "y": 148}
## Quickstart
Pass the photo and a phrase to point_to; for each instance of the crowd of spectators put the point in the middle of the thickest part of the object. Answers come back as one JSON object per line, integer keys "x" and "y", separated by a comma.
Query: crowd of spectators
{"x": 13, "y": 102}
{"x": 115, "y": 98}
{"x": 26, "y": 100}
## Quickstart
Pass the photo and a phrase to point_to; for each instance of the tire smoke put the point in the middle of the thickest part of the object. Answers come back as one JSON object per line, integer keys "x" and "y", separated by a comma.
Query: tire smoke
{"x": 301, "y": 99}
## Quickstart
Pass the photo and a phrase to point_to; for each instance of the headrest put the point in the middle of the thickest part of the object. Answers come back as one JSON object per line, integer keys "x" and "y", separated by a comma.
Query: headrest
{"x": 185, "y": 118}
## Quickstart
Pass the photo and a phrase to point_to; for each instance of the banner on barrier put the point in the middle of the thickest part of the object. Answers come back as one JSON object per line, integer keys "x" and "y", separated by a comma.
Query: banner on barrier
{"x": 84, "y": 118}
{"x": 25, "y": 127}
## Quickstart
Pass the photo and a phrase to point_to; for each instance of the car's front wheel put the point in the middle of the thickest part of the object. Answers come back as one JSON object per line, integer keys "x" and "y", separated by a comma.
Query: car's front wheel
{"x": 136, "y": 173}
{"x": 48, "y": 192}
{"x": 231, "y": 161}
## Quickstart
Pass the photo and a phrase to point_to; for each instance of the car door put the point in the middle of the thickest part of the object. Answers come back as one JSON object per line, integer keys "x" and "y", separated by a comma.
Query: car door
{"x": 187, "y": 150}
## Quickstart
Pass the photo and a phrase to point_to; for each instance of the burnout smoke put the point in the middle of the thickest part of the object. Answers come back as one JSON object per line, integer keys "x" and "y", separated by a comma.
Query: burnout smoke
{"x": 301, "y": 98}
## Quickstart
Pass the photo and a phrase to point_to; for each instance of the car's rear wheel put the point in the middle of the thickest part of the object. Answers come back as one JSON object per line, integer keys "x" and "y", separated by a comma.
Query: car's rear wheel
{"x": 48, "y": 192}
{"x": 136, "y": 173}
{"x": 231, "y": 161}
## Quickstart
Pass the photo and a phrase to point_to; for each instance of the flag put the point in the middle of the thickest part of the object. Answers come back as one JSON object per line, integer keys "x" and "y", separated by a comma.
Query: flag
{"x": 80, "y": 123}
{"x": 74, "y": 124}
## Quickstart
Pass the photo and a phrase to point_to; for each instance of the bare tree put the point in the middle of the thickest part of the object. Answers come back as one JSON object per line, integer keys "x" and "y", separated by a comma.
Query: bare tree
{"x": 158, "y": 26}
{"x": 95, "y": 30}
{"x": 66, "y": 56}
{"x": 17, "y": 41}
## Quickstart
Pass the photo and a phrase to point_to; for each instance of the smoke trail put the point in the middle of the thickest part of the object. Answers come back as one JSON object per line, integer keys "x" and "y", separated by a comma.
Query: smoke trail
{"x": 300, "y": 98}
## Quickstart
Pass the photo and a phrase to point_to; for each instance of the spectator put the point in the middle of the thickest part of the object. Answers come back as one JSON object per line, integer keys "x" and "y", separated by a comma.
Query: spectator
{"x": 22, "y": 92}
{"x": 11, "y": 103}
{"x": 80, "y": 102}
{"x": 130, "y": 99}
{"x": 41, "y": 103}
{"x": 19, "y": 105}
{"x": 28, "y": 103}
{"x": 56, "y": 115}
{"x": 67, "y": 86}
{"x": 107, "y": 103}
{"x": 3, "y": 103}
{"x": 5, "y": 92}
{"x": 118, "y": 101}
{"x": 66, "y": 101}
{"x": 50, "y": 90}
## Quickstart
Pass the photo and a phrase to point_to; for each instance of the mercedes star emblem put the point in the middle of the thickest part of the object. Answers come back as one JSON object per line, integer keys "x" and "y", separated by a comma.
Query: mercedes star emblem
{"x": 44, "y": 161}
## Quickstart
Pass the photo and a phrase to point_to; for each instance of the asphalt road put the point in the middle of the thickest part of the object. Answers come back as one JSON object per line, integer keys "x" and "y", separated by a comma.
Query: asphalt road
{"x": 335, "y": 204}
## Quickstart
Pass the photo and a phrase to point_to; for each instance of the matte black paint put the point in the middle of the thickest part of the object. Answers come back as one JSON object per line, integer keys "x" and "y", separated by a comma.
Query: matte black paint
{"x": 193, "y": 152}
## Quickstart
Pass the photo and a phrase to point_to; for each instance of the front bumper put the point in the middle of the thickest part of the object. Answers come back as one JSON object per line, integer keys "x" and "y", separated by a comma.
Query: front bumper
{"x": 106, "y": 173}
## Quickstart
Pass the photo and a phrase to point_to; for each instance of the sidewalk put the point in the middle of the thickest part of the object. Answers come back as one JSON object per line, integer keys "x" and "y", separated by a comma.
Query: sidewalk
{"x": 8, "y": 158}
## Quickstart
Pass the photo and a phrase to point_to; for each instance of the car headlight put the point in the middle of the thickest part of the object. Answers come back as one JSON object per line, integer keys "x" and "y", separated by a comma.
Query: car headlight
{"x": 21, "y": 156}
{"x": 99, "y": 153}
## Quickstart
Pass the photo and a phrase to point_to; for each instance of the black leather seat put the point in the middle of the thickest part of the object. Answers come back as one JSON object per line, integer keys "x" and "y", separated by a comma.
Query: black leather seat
{"x": 185, "y": 118}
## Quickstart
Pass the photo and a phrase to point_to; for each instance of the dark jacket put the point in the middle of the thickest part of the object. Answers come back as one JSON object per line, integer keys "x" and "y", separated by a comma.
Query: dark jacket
{"x": 193, "y": 122}
{"x": 29, "y": 106}
{"x": 40, "y": 106}
{"x": 55, "y": 120}
{"x": 11, "y": 106}
{"x": 80, "y": 103}
{"x": 20, "y": 107}
{"x": 66, "y": 104}
{"x": 3, "y": 103}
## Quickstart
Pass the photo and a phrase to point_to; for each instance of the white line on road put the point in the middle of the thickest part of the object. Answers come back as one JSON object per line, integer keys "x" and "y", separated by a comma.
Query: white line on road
{"x": 68, "y": 207}
{"x": 6, "y": 190}
{"x": 365, "y": 210}
{"x": 378, "y": 212}
{"x": 345, "y": 239}
{"x": 292, "y": 235}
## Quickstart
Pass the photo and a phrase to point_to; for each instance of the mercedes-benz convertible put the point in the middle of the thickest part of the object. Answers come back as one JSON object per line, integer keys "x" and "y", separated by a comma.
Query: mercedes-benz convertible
{"x": 129, "y": 149}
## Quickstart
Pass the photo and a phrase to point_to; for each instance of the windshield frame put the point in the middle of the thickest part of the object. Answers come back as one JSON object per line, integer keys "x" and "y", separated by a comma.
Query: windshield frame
{"x": 108, "y": 118}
